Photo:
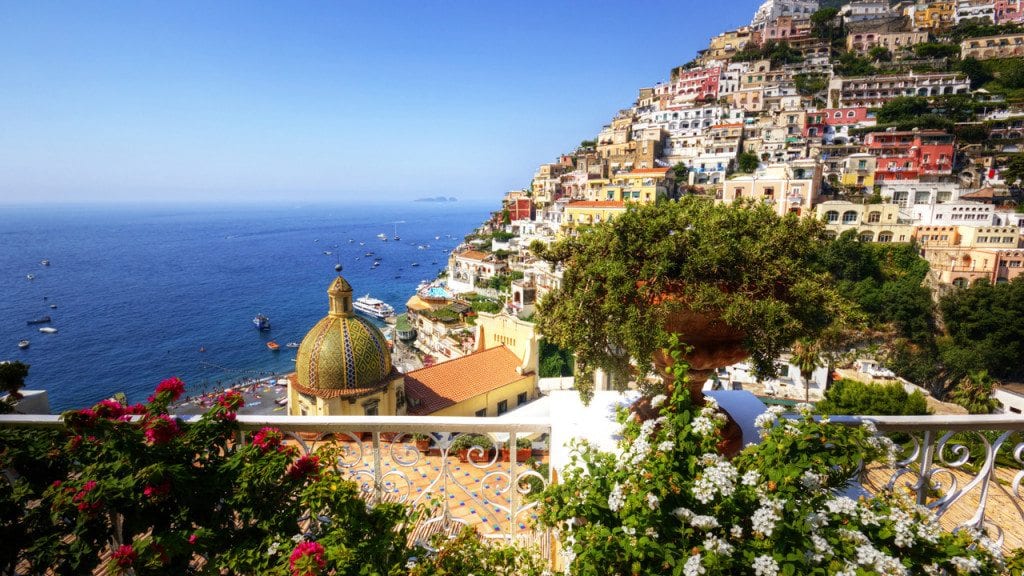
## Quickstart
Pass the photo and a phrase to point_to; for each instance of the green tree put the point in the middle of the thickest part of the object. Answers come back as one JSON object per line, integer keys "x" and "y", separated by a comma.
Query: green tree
{"x": 974, "y": 392}
{"x": 747, "y": 162}
{"x": 880, "y": 54}
{"x": 850, "y": 64}
{"x": 857, "y": 398}
{"x": 902, "y": 108}
{"x": 806, "y": 357}
{"x": 681, "y": 172}
{"x": 12, "y": 379}
{"x": 810, "y": 84}
{"x": 1013, "y": 171}
{"x": 1011, "y": 73}
{"x": 975, "y": 71}
{"x": 985, "y": 328}
{"x": 506, "y": 217}
{"x": 824, "y": 24}
{"x": 711, "y": 259}
{"x": 936, "y": 50}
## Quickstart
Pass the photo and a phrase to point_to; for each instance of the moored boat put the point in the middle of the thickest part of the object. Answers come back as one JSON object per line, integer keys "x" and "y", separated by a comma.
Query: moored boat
{"x": 274, "y": 346}
{"x": 373, "y": 307}
{"x": 42, "y": 320}
{"x": 261, "y": 322}
{"x": 30, "y": 276}
{"x": 23, "y": 344}
{"x": 48, "y": 330}
{"x": 292, "y": 345}
{"x": 44, "y": 262}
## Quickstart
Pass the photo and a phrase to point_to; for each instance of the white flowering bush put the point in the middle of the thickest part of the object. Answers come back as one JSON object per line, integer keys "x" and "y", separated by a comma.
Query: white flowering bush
{"x": 670, "y": 504}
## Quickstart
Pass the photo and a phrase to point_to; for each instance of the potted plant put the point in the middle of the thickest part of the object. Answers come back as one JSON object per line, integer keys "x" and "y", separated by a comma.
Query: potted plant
{"x": 422, "y": 442}
{"x": 524, "y": 450}
{"x": 473, "y": 448}
{"x": 731, "y": 281}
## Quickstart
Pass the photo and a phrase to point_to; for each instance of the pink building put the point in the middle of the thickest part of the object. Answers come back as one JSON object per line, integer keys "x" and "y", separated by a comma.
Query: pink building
{"x": 910, "y": 155}
{"x": 1009, "y": 265}
{"x": 819, "y": 119}
{"x": 690, "y": 85}
{"x": 784, "y": 29}
{"x": 1009, "y": 11}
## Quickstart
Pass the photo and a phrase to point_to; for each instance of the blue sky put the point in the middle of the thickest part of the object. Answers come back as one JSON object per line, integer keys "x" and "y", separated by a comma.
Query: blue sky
{"x": 320, "y": 101}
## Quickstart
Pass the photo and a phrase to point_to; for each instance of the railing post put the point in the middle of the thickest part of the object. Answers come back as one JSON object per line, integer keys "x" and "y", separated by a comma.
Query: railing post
{"x": 924, "y": 474}
{"x": 513, "y": 502}
{"x": 378, "y": 474}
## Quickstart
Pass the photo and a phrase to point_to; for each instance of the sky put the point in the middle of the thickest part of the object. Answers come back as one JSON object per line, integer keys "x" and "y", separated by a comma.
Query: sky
{"x": 148, "y": 101}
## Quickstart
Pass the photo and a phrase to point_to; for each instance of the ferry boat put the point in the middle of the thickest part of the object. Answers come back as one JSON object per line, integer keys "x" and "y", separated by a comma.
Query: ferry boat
{"x": 274, "y": 346}
{"x": 261, "y": 322}
{"x": 23, "y": 344}
{"x": 373, "y": 307}
{"x": 48, "y": 330}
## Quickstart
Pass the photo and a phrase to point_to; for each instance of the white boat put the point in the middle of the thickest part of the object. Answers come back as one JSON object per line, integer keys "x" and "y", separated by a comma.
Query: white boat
{"x": 30, "y": 276}
{"x": 23, "y": 344}
{"x": 292, "y": 345}
{"x": 48, "y": 330}
{"x": 373, "y": 307}
{"x": 383, "y": 236}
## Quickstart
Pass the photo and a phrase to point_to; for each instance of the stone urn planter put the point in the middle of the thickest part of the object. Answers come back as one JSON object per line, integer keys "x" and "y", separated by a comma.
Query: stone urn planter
{"x": 715, "y": 345}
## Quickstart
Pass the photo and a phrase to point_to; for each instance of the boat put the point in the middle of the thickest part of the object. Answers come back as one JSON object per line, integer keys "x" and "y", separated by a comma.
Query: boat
{"x": 292, "y": 345}
{"x": 282, "y": 401}
{"x": 373, "y": 307}
{"x": 261, "y": 322}
{"x": 44, "y": 262}
{"x": 368, "y": 254}
{"x": 23, "y": 344}
{"x": 48, "y": 330}
{"x": 53, "y": 306}
{"x": 396, "y": 232}
{"x": 327, "y": 252}
{"x": 375, "y": 263}
{"x": 30, "y": 276}
{"x": 414, "y": 264}
{"x": 383, "y": 236}
{"x": 42, "y": 320}
{"x": 274, "y": 346}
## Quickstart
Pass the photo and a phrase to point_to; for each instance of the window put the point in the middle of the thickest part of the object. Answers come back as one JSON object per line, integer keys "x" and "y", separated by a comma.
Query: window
{"x": 482, "y": 413}
{"x": 874, "y": 217}
{"x": 522, "y": 398}
{"x": 370, "y": 408}
{"x": 502, "y": 407}
{"x": 849, "y": 217}
{"x": 1008, "y": 239}
{"x": 832, "y": 216}
{"x": 982, "y": 238}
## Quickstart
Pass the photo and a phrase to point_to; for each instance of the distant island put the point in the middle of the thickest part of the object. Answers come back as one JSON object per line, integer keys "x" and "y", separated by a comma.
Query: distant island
{"x": 438, "y": 199}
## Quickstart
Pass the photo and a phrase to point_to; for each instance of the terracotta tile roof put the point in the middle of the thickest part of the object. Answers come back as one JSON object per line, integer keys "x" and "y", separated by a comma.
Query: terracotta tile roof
{"x": 597, "y": 204}
{"x": 735, "y": 125}
{"x": 473, "y": 255}
{"x": 650, "y": 171}
{"x": 448, "y": 383}
{"x": 988, "y": 193}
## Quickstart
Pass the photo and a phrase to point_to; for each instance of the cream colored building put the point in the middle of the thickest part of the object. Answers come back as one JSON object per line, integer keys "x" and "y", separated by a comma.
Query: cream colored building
{"x": 987, "y": 47}
{"x": 864, "y": 41}
{"x": 872, "y": 222}
{"x": 789, "y": 188}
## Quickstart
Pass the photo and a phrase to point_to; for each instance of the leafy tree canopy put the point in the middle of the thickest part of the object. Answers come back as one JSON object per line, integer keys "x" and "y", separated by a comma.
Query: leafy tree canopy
{"x": 12, "y": 378}
{"x": 746, "y": 162}
{"x": 758, "y": 272}
{"x": 985, "y": 324}
{"x": 853, "y": 397}
{"x": 902, "y": 108}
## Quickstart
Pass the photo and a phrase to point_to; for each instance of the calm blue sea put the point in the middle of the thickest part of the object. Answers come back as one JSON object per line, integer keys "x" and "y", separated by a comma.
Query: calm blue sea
{"x": 140, "y": 289}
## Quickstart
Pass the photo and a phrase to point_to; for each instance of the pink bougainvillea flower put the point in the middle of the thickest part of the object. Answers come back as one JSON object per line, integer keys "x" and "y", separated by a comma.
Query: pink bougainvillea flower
{"x": 174, "y": 386}
{"x": 83, "y": 501}
{"x": 152, "y": 491}
{"x": 307, "y": 559}
{"x": 84, "y": 418}
{"x": 267, "y": 439}
{"x": 231, "y": 400}
{"x": 111, "y": 409}
{"x": 306, "y": 466}
{"x": 125, "y": 556}
{"x": 161, "y": 429}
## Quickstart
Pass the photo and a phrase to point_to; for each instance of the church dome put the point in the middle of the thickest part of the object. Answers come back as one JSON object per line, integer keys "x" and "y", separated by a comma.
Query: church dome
{"x": 343, "y": 354}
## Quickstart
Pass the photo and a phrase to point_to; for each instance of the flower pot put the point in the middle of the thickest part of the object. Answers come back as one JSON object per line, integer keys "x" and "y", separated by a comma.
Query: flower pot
{"x": 423, "y": 445}
{"x": 476, "y": 456}
{"x": 522, "y": 454}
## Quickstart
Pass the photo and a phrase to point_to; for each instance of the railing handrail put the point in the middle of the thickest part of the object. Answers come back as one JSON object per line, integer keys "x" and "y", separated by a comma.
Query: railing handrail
{"x": 944, "y": 423}
{"x": 415, "y": 424}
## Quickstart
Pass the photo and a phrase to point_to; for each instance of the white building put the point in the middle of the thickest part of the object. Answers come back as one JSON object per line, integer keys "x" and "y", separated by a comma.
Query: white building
{"x": 772, "y": 9}
{"x": 959, "y": 213}
{"x": 1010, "y": 398}
{"x": 907, "y": 193}
{"x": 975, "y": 10}
{"x": 862, "y": 10}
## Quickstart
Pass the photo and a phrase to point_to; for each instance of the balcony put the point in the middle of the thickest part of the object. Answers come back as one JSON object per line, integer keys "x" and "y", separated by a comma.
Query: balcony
{"x": 967, "y": 469}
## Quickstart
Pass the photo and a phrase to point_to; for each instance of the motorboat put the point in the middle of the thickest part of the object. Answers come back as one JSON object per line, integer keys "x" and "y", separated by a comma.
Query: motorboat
{"x": 44, "y": 262}
{"x": 23, "y": 344}
{"x": 30, "y": 276}
{"x": 292, "y": 345}
{"x": 42, "y": 320}
{"x": 383, "y": 236}
{"x": 261, "y": 322}
{"x": 414, "y": 264}
{"x": 368, "y": 254}
{"x": 273, "y": 346}
{"x": 282, "y": 401}
{"x": 48, "y": 330}
{"x": 53, "y": 306}
{"x": 373, "y": 307}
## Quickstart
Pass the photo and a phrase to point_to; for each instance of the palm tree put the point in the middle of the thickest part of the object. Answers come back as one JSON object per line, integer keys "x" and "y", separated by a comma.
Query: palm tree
{"x": 806, "y": 357}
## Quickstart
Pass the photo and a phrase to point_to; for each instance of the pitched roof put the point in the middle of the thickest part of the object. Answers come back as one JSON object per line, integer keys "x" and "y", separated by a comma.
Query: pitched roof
{"x": 446, "y": 384}
{"x": 597, "y": 204}
{"x": 473, "y": 255}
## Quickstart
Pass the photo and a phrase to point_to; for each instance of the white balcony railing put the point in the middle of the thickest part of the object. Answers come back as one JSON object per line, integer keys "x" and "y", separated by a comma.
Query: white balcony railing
{"x": 969, "y": 470}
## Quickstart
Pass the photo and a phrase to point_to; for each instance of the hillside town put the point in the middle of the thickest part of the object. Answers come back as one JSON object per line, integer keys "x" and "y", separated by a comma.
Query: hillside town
{"x": 892, "y": 123}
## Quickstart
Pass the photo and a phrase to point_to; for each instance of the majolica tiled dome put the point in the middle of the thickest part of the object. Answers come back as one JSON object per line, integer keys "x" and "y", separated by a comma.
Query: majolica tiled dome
{"x": 343, "y": 353}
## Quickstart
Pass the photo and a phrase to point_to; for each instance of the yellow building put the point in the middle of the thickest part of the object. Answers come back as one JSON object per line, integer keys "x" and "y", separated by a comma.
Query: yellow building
{"x": 487, "y": 383}
{"x": 343, "y": 367}
{"x": 585, "y": 213}
{"x": 935, "y": 16}
{"x": 501, "y": 329}
{"x": 858, "y": 170}
{"x": 872, "y": 222}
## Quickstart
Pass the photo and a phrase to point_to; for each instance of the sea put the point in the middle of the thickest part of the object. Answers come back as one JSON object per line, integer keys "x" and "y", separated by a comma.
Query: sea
{"x": 142, "y": 293}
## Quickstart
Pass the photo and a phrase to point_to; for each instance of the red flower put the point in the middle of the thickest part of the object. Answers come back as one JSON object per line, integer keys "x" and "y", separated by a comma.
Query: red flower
{"x": 193, "y": 539}
{"x": 267, "y": 439}
{"x": 111, "y": 409}
{"x": 231, "y": 400}
{"x": 82, "y": 500}
{"x": 303, "y": 467}
{"x": 161, "y": 429}
{"x": 172, "y": 385}
{"x": 84, "y": 418}
{"x": 125, "y": 556}
{"x": 307, "y": 559}
{"x": 151, "y": 491}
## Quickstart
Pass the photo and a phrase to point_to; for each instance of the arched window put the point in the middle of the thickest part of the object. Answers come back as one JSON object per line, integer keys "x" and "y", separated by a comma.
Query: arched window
{"x": 866, "y": 236}
{"x": 832, "y": 216}
{"x": 849, "y": 217}
{"x": 885, "y": 237}
{"x": 960, "y": 282}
